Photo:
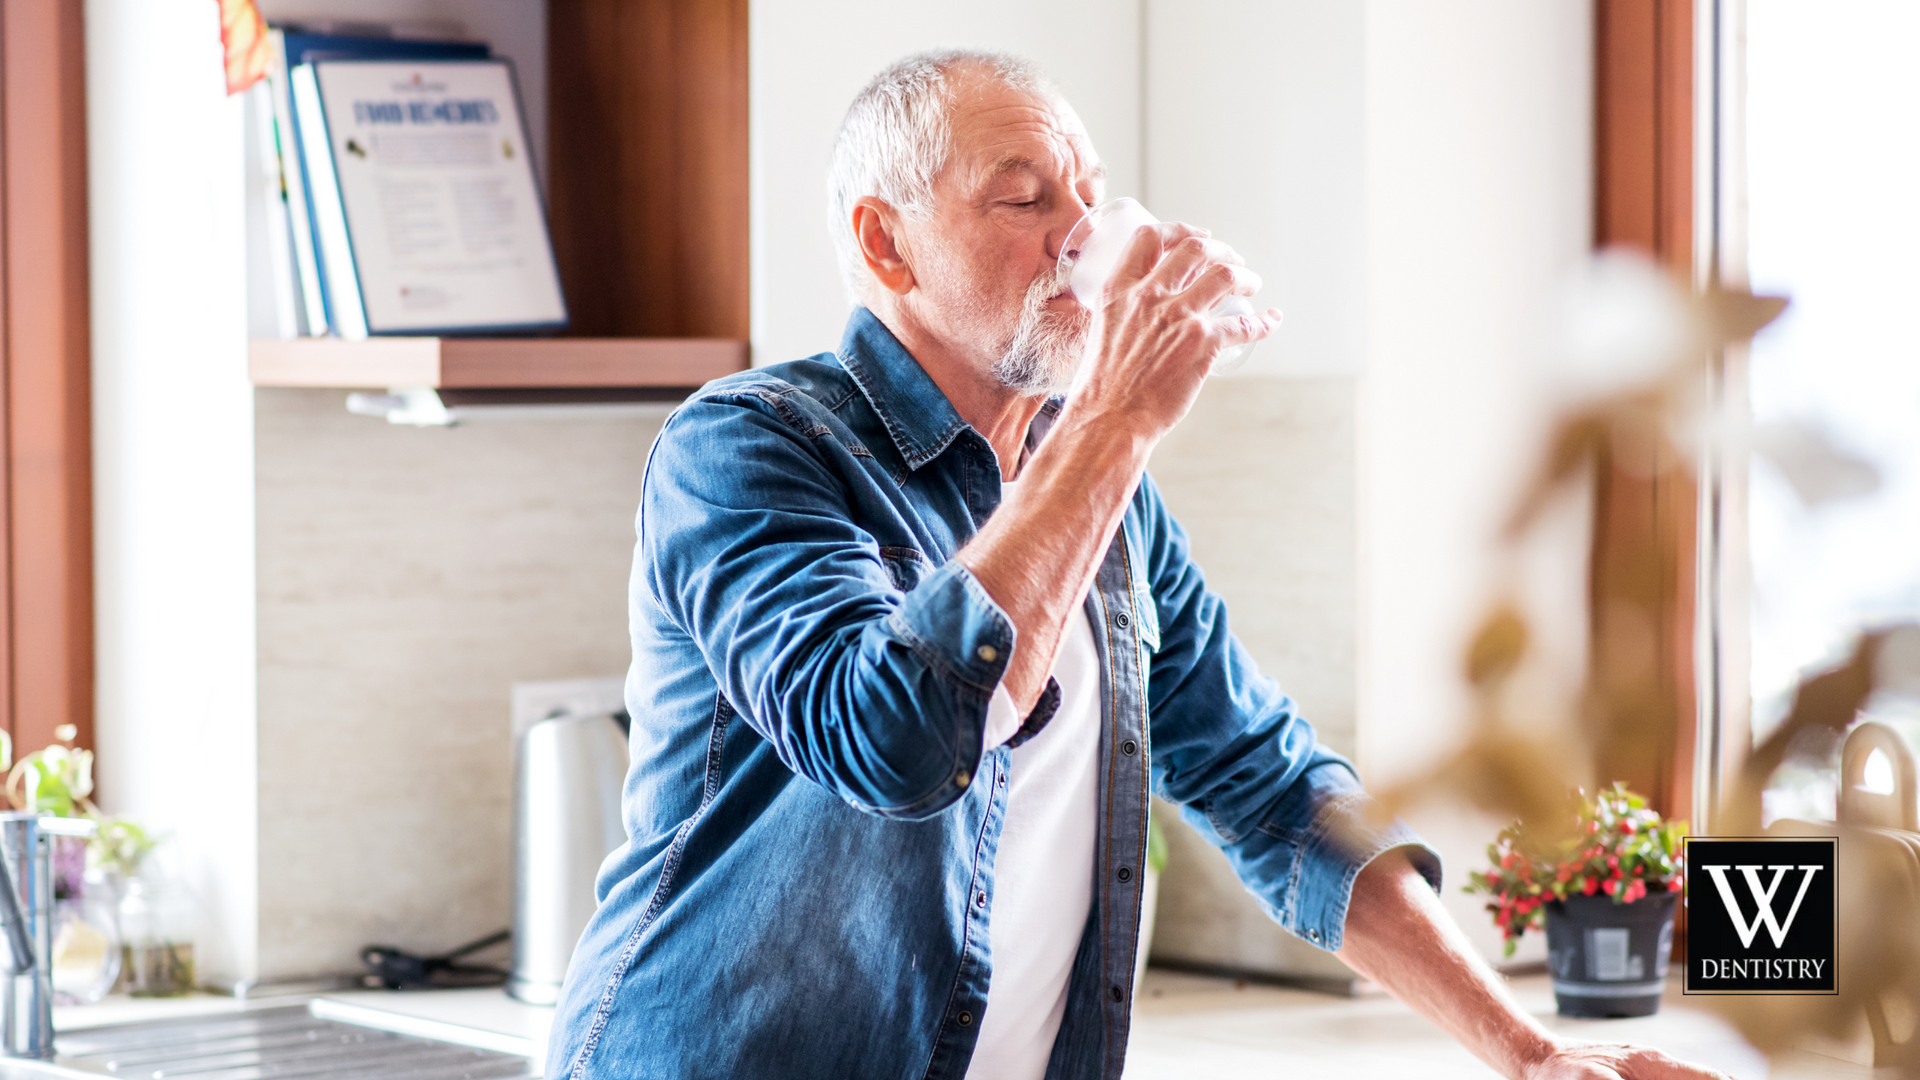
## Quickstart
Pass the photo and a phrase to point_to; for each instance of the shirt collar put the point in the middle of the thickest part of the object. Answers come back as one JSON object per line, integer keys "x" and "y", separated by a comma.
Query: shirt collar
{"x": 917, "y": 415}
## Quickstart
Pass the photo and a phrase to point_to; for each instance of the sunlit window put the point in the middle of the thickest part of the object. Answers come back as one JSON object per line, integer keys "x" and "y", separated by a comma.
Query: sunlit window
{"x": 1833, "y": 172}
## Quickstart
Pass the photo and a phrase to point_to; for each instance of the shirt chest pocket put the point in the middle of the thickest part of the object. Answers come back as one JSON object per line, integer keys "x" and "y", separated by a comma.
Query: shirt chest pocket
{"x": 905, "y": 567}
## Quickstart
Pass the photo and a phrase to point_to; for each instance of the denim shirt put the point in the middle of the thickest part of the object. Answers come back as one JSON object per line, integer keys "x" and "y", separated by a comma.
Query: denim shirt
{"x": 809, "y": 877}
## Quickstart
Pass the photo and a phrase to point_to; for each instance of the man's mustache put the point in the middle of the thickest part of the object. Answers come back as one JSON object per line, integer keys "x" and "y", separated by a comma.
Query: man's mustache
{"x": 1047, "y": 285}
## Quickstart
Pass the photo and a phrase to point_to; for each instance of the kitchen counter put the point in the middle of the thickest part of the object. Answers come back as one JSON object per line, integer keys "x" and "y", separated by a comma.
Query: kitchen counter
{"x": 485, "y": 1018}
{"x": 1185, "y": 1027}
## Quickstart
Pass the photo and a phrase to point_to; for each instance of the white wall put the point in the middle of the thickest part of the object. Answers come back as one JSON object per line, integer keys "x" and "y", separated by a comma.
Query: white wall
{"x": 1479, "y": 196}
{"x": 1410, "y": 178}
{"x": 806, "y": 64}
{"x": 1256, "y": 128}
{"x": 173, "y": 451}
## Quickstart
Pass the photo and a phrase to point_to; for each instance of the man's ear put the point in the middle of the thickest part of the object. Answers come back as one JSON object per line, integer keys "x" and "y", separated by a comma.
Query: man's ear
{"x": 877, "y": 228}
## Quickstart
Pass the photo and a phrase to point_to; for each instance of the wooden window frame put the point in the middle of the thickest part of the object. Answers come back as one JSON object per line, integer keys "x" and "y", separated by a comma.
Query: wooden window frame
{"x": 1645, "y": 538}
{"x": 46, "y": 492}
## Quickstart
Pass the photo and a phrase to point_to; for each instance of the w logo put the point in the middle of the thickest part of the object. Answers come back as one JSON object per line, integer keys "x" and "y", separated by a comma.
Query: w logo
{"x": 1763, "y": 900}
{"x": 1785, "y": 884}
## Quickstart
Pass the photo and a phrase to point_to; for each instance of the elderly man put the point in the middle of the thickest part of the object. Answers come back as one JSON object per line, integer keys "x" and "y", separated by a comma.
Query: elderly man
{"x": 914, "y": 636}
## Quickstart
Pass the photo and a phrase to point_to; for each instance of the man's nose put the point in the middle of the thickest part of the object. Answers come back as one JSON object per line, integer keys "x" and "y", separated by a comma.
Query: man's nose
{"x": 1062, "y": 224}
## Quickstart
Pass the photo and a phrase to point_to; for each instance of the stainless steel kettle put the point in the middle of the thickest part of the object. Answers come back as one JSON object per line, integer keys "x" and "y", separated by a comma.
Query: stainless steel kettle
{"x": 568, "y": 772}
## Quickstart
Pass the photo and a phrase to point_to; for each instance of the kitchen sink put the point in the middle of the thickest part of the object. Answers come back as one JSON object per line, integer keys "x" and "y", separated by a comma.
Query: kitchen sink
{"x": 283, "y": 1043}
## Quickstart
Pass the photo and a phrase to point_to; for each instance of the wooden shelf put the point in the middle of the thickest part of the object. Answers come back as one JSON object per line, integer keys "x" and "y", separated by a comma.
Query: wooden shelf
{"x": 493, "y": 363}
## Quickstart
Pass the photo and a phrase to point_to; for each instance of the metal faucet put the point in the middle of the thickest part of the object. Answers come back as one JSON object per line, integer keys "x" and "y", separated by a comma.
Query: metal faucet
{"x": 26, "y": 909}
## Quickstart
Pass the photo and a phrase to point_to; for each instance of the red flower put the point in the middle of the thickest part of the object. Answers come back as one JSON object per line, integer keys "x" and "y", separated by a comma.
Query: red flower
{"x": 1587, "y": 885}
{"x": 1674, "y": 885}
{"x": 1611, "y": 885}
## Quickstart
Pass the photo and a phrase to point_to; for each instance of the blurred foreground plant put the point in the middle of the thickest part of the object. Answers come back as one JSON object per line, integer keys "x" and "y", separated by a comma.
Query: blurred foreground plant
{"x": 1639, "y": 347}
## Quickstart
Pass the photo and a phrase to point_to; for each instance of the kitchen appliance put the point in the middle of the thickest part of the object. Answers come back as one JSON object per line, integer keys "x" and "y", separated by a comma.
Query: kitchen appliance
{"x": 568, "y": 772}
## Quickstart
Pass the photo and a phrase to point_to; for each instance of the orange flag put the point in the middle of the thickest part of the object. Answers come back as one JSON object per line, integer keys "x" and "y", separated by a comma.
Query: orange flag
{"x": 243, "y": 33}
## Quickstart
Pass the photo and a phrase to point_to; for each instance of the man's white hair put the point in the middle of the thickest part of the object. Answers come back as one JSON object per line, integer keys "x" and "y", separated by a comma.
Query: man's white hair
{"x": 896, "y": 137}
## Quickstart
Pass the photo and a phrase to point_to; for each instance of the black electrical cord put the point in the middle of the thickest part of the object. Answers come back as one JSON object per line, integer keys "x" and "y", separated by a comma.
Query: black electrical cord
{"x": 397, "y": 969}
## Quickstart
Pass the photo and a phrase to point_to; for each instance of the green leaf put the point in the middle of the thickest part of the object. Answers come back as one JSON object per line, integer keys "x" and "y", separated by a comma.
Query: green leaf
{"x": 1157, "y": 850}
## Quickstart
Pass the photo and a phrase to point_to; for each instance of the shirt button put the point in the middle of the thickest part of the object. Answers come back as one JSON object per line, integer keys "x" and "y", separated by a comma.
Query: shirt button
{"x": 961, "y": 779}
{"x": 1117, "y": 994}
{"x": 1124, "y": 874}
{"x": 987, "y": 653}
{"x": 966, "y": 1018}
{"x": 981, "y": 900}
{"x": 1128, "y": 748}
{"x": 1121, "y": 620}
{"x": 1313, "y": 935}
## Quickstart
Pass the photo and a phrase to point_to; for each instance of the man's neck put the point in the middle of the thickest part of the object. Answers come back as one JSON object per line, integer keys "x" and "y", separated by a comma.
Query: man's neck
{"x": 997, "y": 413}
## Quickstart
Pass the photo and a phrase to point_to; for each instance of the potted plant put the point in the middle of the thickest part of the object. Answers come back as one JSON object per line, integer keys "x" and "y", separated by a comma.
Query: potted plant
{"x": 120, "y": 922}
{"x": 1605, "y": 892}
{"x": 55, "y": 782}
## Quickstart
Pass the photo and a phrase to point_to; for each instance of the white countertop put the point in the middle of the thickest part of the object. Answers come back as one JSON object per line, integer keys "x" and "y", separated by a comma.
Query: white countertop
{"x": 1184, "y": 1026}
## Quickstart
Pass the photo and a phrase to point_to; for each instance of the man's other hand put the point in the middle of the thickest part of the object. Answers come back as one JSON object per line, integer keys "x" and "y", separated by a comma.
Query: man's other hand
{"x": 1398, "y": 935}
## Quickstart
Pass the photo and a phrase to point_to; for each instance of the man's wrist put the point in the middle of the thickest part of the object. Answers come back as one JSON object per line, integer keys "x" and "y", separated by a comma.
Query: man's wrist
{"x": 1535, "y": 1049}
{"x": 1105, "y": 436}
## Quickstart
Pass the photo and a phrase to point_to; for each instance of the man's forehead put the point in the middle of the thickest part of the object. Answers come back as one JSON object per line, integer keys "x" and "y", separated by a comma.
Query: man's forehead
{"x": 999, "y": 129}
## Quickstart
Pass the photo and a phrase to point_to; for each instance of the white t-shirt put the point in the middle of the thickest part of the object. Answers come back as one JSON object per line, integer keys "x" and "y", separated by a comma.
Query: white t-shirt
{"x": 1043, "y": 869}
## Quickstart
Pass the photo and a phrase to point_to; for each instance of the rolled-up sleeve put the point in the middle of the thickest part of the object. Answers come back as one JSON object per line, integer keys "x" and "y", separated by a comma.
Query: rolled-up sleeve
{"x": 1246, "y": 770}
{"x": 1301, "y": 859}
{"x": 748, "y": 546}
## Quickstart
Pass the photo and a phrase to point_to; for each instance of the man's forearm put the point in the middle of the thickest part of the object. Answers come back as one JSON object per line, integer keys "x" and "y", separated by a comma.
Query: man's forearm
{"x": 1399, "y": 936}
{"x": 1037, "y": 555}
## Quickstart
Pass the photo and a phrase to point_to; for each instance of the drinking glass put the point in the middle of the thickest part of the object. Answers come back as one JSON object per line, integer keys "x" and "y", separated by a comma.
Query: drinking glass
{"x": 1092, "y": 253}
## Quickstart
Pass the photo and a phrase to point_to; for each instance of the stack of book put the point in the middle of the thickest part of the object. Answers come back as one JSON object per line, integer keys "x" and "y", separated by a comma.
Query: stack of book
{"x": 398, "y": 192}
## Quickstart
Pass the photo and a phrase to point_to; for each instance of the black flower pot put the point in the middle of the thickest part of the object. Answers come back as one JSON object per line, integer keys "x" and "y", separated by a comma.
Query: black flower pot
{"x": 1609, "y": 959}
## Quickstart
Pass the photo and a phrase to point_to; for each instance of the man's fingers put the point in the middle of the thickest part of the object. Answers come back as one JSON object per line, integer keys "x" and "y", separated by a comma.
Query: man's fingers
{"x": 1220, "y": 281}
{"x": 1144, "y": 250}
{"x": 1608, "y": 1061}
{"x": 1240, "y": 329}
{"x": 1186, "y": 261}
{"x": 1646, "y": 1064}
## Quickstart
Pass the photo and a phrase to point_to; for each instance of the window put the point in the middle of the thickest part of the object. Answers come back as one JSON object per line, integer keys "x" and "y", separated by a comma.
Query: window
{"x": 1832, "y": 167}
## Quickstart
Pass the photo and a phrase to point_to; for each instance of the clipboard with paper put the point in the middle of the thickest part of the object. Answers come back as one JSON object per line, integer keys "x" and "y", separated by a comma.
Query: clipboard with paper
{"x": 427, "y": 212}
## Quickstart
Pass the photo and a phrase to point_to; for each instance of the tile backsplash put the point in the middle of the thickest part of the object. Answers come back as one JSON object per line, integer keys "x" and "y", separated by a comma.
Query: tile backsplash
{"x": 407, "y": 578}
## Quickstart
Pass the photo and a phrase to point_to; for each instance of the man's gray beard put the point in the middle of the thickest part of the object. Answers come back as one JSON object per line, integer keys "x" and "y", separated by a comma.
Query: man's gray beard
{"x": 1046, "y": 346}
